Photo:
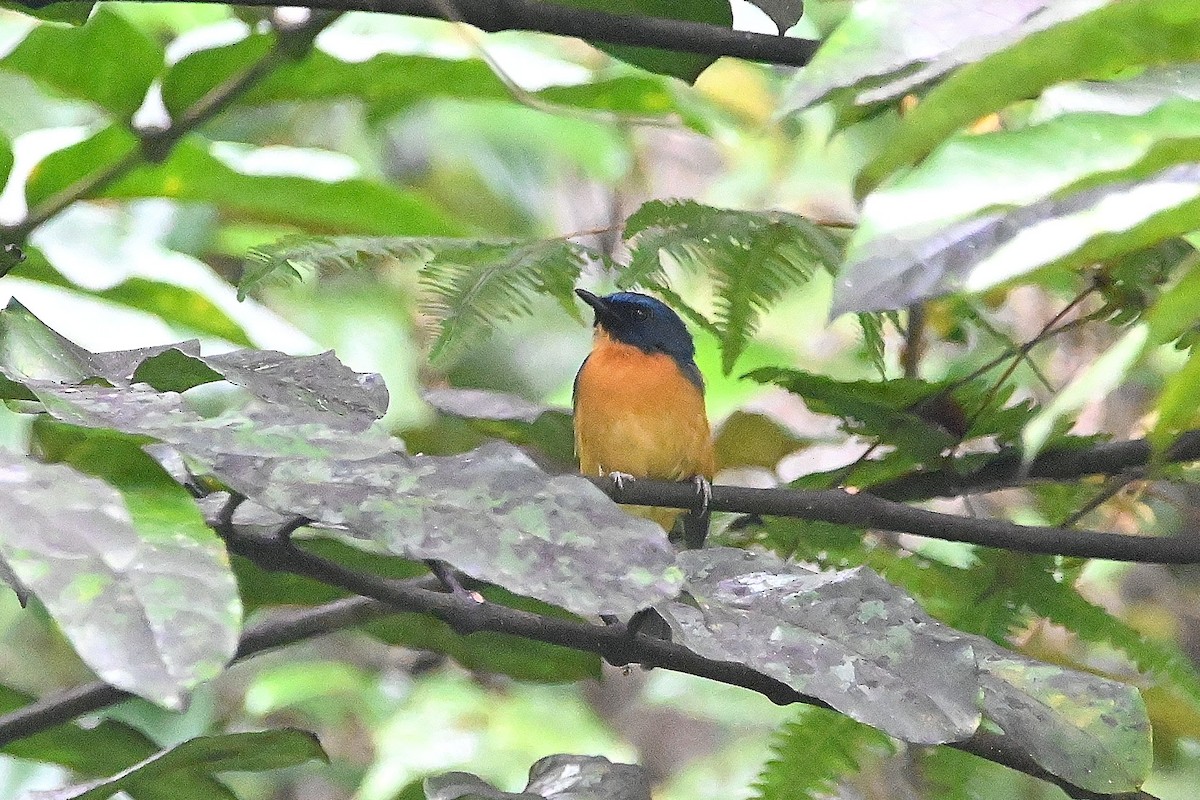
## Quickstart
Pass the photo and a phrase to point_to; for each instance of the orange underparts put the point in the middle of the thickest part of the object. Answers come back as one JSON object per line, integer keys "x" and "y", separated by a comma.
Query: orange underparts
{"x": 637, "y": 413}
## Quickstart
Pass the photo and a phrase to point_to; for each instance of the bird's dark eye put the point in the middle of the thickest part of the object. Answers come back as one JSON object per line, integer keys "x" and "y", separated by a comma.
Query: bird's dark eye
{"x": 641, "y": 313}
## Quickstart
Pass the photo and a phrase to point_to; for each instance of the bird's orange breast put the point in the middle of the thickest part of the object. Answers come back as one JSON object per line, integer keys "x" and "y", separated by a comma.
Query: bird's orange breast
{"x": 637, "y": 413}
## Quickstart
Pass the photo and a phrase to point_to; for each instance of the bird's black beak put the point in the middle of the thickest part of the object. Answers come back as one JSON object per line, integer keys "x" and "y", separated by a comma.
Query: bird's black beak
{"x": 604, "y": 311}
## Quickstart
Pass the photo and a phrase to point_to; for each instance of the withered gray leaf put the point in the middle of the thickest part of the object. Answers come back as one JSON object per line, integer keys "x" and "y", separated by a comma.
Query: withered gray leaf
{"x": 1088, "y": 730}
{"x": 125, "y": 601}
{"x": 556, "y": 777}
{"x": 848, "y": 638}
{"x": 491, "y": 513}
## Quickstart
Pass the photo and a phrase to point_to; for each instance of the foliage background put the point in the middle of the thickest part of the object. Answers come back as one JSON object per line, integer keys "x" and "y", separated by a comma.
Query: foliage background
{"x": 434, "y": 143}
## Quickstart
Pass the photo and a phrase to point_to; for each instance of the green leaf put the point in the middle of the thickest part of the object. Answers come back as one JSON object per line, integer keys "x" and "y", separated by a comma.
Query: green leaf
{"x": 847, "y": 638}
{"x": 1102, "y": 41}
{"x": 107, "y": 566}
{"x": 6, "y": 159}
{"x": 174, "y": 304}
{"x": 1081, "y": 228}
{"x": 103, "y": 749}
{"x": 753, "y": 259}
{"x": 230, "y": 752}
{"x": 508, "y": 417}
{"x": 389, "y": 83}
{"x": 70, "y": 11}
{"x": 470, "y": 284}
{"x": 681, "y": 65}
{"x": 193, "y": 174}
{"x": 1176, "y": 405}
{"x": 812, "y": 752}
{"x": 111, "y": 63}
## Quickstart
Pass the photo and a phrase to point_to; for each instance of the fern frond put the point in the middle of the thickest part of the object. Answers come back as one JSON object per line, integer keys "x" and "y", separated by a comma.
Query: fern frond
{"x": 812, "y": 752}
{"x": 469, "y": 284}
{"x": 752, "y": 259}
{"x": 1159, "y": 661}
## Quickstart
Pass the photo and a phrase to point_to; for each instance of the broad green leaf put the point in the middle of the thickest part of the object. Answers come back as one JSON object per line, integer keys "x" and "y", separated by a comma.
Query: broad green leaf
{"x": 847, "y": 638}
{"x": 389, "y": 83}
{"x": 103, "y": 749}
{"x": 753, "y": 259}
{"x": 110, "y": 63}
{"x": 6, "y": 159}
{"x": 1176, "y": 405}
{"x": 1127, "y": 95}
{"x": 812, "y": 752}
{"x": 469, "y": 284}
{"x": 682, "y": 65}
{"x": 141, "y": 588}
{"x": 969, "y": 175}
{"x": 67, "y": 167}
{"x": 171, "y": 303}
{"x": 1080, "y": 228}
{"x": 885, "y": 49}
{"x": 746, "y": 439}
{"x": 1091, "y": 731}
{"x": 557, "y": 777}
{"x": 205, "y": 755}
{"x": 1103, "y": 41}
{"x": 74, "y": 12}
{"x": 193, "y": 174}
{"x": 556, "y": 539}
{"x": 195, "y": 75}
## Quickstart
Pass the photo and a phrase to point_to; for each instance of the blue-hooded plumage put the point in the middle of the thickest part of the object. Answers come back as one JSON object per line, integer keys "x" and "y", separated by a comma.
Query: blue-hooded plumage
{"x": 639, "y": 397}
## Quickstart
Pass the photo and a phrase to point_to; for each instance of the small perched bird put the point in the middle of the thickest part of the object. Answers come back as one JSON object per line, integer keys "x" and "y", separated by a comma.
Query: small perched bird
{"x": 639, "y": 403}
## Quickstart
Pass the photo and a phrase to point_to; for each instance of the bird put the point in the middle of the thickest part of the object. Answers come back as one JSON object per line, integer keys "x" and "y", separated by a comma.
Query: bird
{"x": 639, "y": 404}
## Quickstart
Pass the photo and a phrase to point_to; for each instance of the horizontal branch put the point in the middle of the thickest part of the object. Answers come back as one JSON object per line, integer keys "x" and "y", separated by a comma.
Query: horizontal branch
{"x": 379, "y": 596}
{"x": 865, "y": 510}
{"x": 584, "y": 23}
{"x": 283, "y": 628}
{"x": 616, "y": 643}
{"x": 1006, "y": 468}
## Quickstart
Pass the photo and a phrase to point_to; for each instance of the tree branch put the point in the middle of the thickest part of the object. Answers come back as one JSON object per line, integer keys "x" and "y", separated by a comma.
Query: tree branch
{"x": 1005, "y": 469}
{"x": 380, "y": 596}
{"x": 868, "y": 510}
{"x": 584, "y": 23}
{"x": 283, "y": 628}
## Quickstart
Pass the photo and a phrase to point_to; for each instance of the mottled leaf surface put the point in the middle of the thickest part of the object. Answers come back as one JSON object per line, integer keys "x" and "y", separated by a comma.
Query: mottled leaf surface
{"x": 231, "y": 752}
{"x": 490, "y": 513}
{"x": 885, "y": 49}
{"x": 848, "y": 638}
{"x": 556, "y": 777}
{"x": 1091, "y": 731}
{"x": 151, "y": 609}
{"x": 1080, "y": 228}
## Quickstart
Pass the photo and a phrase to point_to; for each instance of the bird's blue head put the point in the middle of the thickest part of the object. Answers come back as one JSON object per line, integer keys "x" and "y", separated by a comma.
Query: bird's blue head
{"x": 639, "y": 320}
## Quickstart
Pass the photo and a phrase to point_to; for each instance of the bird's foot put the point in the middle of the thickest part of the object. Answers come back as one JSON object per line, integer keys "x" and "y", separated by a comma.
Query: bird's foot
{"x": 618, "y": 479}
{"x": 703, "y": 495}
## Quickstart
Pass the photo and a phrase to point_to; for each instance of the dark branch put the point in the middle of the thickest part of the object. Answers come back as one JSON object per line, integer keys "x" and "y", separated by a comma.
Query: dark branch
{"x": 615, "y": 642}
{"x": 866, "y": 510}
{"x": 283, "y": 628}
{"x": 1005, "y": 469}
{"x": 584, "y": 23}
